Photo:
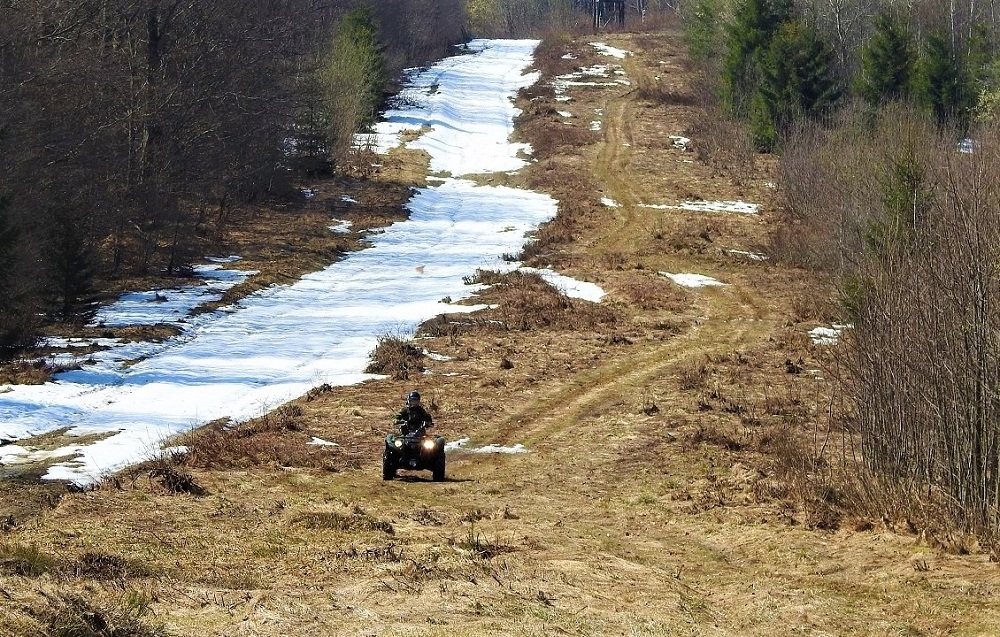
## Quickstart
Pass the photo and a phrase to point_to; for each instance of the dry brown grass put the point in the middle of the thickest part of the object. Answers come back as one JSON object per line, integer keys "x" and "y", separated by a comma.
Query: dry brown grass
{"x": 681, "y": 474}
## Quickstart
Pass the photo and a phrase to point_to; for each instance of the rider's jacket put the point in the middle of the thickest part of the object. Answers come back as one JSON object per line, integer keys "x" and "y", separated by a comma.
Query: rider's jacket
{"x": 412, "y": 418}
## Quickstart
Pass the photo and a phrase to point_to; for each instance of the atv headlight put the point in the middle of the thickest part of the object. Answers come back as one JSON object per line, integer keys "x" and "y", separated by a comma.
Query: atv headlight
{"x": 429, "y": 444}
{"x": 398, "y": 443}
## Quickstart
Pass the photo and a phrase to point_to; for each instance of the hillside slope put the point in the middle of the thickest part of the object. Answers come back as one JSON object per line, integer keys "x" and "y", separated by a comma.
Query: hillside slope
{"x": 658, "y": 493}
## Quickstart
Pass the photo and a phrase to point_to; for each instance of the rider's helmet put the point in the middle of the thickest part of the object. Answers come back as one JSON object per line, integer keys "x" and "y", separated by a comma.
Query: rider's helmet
{"x": 413, "y": 398}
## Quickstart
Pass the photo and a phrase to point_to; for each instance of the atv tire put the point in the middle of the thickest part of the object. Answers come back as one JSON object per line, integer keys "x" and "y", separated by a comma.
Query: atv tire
{"x": 388, "y": 468}
{"x": 438, "y": 469}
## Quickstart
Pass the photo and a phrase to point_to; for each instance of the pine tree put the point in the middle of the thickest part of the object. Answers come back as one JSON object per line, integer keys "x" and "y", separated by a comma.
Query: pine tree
{"x": 72, "y": 291}
{"x": 940, "y": 85}
{"x": 701, "y": 29}
{"x": 797, "y": 80}
{"x": 351, "y": 79}
{"x": 755, "y": 23}
{"x": 16, "y": 320}
{"x": 889, "y": 63}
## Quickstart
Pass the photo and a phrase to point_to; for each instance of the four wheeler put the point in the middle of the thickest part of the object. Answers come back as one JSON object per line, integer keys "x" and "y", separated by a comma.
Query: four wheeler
{"x": 416, "y": 450}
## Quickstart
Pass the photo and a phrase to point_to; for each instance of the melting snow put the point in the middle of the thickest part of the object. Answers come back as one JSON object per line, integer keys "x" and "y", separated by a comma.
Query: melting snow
{"x": 710, "y": 206}
{"x": 570, "y": 287}
{"x": 172, "y": 305}
{"x": 279, "y": 343}
{"x": 459, "y": 445}
{"x": 319, "y": 442}
{"x": 604, "y": 49}
{"x": 691, "y": 280}
{"x": 827, "y": 335}
{"x": 753, "y": 256}
{"x": 342, "y": 227}
{"x": 610, "y": 203}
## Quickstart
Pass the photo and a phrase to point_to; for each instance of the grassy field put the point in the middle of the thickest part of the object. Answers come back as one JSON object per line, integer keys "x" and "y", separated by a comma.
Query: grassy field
{"x": 673, "y": 440}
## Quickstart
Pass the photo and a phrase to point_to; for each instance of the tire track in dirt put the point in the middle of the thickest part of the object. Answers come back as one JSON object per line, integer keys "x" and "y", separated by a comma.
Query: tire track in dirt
{"x": 549, "y": 416}
{"x": 731, "y": 317}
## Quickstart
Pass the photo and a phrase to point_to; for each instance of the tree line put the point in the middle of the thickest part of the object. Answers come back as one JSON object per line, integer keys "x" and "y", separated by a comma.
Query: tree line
{"x": 781, "y": 61}
{"x": 131, "y": 129}
{"x": 884, "y": 117}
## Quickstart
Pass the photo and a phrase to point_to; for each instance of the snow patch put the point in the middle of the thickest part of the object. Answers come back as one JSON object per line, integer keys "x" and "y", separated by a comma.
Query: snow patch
{"x": 689, "y": 280}
{"x": 752, "y": 256}
{"x": 741, "y": 207}
{"x": 569, "y": 286}
{"x": 828, "y": 335}
{"x": 455, "y": 103}
{"x": 343, "y": 226}
{"x": 319, "y": 442}
{"x": 604, "y": 49}
{"x": 459, "y": 445}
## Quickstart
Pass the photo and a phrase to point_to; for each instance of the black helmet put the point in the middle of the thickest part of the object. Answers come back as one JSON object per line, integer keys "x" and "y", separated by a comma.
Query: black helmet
{"x": 413, "y": 397}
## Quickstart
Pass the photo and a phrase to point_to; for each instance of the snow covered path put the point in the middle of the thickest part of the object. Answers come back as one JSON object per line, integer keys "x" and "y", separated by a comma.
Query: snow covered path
{"x": 278, "y": 344}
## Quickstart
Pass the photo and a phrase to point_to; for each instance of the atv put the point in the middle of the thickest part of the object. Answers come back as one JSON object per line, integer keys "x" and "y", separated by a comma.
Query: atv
{"x": 416, "y": 450}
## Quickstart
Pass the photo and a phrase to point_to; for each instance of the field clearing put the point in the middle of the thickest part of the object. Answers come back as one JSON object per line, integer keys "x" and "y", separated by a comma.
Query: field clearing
{"x": 662, "y": 492}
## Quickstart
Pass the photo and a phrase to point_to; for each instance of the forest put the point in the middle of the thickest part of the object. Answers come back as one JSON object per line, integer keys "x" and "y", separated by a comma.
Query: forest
{"x": 130, "y": 130}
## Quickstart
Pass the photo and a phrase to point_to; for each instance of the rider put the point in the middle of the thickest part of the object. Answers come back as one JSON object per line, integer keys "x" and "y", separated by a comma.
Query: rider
{"x": 412, "y": 417}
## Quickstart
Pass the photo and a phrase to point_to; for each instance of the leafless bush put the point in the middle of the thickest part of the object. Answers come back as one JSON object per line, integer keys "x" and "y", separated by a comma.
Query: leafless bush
{"x": 175, "y": 481}
{"x": 722, "y": 143}
{"x": 825, "y": 177}
{"x": 396, "y": 357}
{"x": 887, "y": 204}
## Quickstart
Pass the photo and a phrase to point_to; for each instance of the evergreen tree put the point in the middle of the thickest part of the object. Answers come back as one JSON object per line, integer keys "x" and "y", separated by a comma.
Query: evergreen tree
{"x": 351, "y": 79}
{"x": 889, "y": 63}
{"x": 17, "y": 324}
{"x": 71, "y": 285}
{"x": 748, "y": 37}
{"x": 940, "y": 84}
{"x": 797, "y": 80}
{"x": 702, "y": 29}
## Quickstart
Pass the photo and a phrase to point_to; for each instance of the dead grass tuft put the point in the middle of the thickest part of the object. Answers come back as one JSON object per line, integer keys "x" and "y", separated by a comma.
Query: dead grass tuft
{"x": 715, "y": 436}
{"x": 275, "y": 438}
{"x": 27, "y": 372}
{"x": 25, "y": 560}
{"x": 387, "y": 554}
{"x": 692, "y": 376}
{"x": 355, "y": 521}
{"x": 483, "y": 547}
{"x": 526, "y": 302}
{"x": 176, "y": 482}
{"x": 105, "y": 566}
{"x": 395, "y": 357}
{"x": 70, "y": 615}
{"x": 653, "y": 292}
{"x": 425, "y": 516}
